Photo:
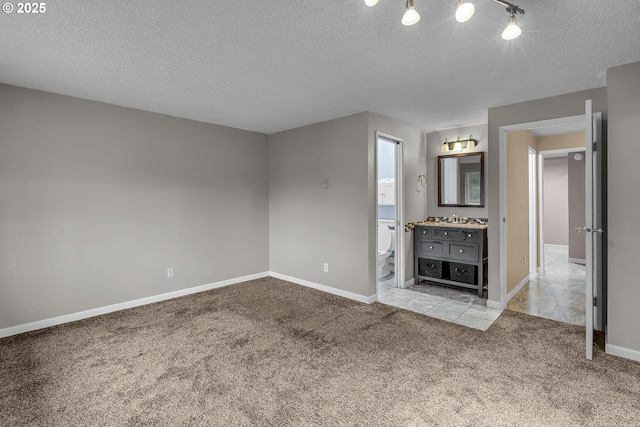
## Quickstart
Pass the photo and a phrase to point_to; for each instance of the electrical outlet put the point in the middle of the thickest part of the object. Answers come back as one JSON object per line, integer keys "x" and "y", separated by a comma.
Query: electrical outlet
{"x": 326, "y": 267}
{"x": 170, "y": 272}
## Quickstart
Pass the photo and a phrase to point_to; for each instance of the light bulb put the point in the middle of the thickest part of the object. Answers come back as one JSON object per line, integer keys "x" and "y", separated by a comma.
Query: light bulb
{"x": 465, "y": 11}
{"x": 411, "y": 16}
{"x": 445, "y": 146}
{"x": 370, "y": 3}
{"x": 457, "y": 146}
{"x": 512, "y": 31}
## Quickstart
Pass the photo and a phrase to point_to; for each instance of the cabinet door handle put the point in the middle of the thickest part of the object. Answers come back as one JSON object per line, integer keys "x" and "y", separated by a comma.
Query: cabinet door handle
{"x": 446, "y": 234}
{"x": 430, "y": 247}
{"x": 461, "y": 251}
{"x": 469, "y": 235}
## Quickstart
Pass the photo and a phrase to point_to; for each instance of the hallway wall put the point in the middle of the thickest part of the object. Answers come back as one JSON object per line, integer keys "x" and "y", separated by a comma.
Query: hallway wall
{"x": 556, "y": 204}
{"x": 518, "y": 143}
{"x": 623, "y": 204}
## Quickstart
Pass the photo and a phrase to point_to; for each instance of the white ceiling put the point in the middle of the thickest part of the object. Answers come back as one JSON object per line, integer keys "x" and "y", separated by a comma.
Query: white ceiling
{"x": 272, "y": 65}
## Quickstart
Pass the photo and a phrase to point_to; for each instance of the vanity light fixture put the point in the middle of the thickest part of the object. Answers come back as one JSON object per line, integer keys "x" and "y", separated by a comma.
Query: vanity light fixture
{"x": 464, "y": 12}
{"x": 459, "y": 145}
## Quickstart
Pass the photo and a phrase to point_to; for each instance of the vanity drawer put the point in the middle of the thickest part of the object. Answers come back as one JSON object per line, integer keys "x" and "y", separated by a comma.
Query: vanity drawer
{"x": 447, "y": 234}
{"x": 424, "y": 232}
{"x": 463, "y": 251}
{"x": 430, "y": 248}
{"x": 471, "y": 235}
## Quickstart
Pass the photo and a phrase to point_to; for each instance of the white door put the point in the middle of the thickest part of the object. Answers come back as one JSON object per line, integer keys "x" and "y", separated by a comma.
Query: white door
{"x": 593, "y": 225}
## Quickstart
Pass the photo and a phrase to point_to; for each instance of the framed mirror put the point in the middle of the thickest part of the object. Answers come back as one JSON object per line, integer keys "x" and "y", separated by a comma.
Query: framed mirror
{"x": 461, "y": 180}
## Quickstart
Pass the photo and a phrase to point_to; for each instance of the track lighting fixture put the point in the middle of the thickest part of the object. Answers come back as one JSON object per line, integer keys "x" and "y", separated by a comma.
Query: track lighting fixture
{"x": 411, "y": 16}
{"x": 512, "y": 31}
{"x": 464, "y": 12}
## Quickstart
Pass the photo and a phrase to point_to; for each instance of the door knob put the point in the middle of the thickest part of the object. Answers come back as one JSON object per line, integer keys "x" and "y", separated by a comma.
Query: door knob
{"x": 588, "y": 230}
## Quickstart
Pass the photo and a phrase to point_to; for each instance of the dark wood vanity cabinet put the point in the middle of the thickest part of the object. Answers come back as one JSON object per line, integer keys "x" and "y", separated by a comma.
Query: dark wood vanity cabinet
{"x": 452, "y": 254}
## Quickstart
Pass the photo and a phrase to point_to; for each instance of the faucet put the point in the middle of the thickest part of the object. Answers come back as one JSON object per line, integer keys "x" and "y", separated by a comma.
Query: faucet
{"x": 455, "y": 218}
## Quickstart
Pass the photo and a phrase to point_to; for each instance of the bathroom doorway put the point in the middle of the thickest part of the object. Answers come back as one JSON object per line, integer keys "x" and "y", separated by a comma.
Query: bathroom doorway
{"x": 389, "y": 219}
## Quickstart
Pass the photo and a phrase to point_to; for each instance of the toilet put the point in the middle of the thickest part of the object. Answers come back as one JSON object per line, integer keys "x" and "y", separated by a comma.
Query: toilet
{"x": 385, "y": 240}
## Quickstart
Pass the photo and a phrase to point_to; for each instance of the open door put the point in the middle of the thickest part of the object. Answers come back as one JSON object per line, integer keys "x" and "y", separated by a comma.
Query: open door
{"x": 593, "y": 226}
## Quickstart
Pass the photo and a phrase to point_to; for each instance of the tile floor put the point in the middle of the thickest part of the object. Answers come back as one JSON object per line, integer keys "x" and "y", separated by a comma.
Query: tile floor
{"x": 445, "y": 303}
{"x": 558, "y": 293}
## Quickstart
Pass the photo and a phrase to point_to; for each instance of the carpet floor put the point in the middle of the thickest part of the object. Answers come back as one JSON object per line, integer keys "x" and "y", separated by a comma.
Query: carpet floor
{"x": 272, "y": 353}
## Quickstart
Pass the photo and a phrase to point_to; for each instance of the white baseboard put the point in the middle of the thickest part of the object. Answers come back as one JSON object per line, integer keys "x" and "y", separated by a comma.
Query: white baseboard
{"x": 496, "y": 305}
{"x": 578, "y": 261}
{"x": 622, "y": 352}
{"x": 324, "y": 288}
{"x": 517, "y": 288}
{"x": 27, "y": 327}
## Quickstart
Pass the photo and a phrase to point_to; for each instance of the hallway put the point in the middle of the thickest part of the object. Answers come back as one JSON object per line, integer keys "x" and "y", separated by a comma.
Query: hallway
{"x": 558, "y": 293}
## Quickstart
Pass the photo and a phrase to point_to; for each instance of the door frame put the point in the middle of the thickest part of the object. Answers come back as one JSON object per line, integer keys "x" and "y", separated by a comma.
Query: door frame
{"x": 502, "y": 133}
{"x": 594, "y": 130}
{"x": 399, "y": 207}
{"x": 532, "y": 160}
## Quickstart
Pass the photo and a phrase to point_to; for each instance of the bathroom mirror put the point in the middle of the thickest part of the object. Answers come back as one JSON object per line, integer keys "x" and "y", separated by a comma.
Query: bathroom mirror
{"x": 461, "y": 180}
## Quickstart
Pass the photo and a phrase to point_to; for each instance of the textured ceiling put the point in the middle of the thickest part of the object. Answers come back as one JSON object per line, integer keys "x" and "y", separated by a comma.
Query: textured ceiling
{"x": 271, "y": 65}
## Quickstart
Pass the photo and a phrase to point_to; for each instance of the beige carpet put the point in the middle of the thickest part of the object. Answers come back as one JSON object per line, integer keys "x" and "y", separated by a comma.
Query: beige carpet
{"x": 268, "y": 352}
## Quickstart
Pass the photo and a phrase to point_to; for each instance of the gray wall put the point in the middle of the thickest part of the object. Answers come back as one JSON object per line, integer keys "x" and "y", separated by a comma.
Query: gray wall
{"x": 571, "y": 104}
{"x": 623, "y": 206}
{"x": 576, "y": 178}
{"x": 434, "y": 144}
{"x": 99, "y": 200}
{"x": 310, "y": 225}
{"x": 556, "y": 201}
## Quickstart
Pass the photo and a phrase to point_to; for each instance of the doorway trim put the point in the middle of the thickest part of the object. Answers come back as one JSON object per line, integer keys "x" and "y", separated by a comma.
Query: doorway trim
{"x": 533, "y": 211}
{"x": 399, "y": 207}
{"x": 502, "y": 134}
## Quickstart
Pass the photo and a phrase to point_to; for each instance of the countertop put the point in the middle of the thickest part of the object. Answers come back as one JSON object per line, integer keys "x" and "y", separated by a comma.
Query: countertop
{"x": 450, "y": 224}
